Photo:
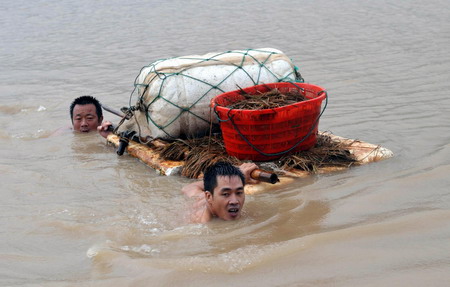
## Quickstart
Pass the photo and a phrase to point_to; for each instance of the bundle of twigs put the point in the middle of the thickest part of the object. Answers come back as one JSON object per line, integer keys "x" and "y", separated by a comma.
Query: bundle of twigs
{"x": 200, "y": 153}
{"x": 325, "y": 153}
{"x": 268, "y": 100}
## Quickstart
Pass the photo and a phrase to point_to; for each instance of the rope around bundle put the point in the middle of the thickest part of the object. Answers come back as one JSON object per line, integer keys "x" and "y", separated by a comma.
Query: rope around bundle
{"x": 167, "y": 89}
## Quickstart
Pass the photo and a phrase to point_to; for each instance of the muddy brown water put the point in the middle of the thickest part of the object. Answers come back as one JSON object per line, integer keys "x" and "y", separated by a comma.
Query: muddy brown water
{"x": 74, "y": 214}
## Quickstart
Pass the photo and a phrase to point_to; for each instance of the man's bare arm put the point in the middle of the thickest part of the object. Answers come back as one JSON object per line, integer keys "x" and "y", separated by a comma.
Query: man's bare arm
{"x": 193, "y": 189}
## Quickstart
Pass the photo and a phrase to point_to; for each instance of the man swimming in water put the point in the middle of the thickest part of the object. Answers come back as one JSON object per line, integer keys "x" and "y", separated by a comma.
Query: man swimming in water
{"x": 221, "y": 193}
{"x": 86, "y": 114}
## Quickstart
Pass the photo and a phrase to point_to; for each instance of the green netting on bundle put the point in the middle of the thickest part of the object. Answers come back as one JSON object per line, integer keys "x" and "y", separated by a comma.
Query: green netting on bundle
{"x": 173, "y": 95}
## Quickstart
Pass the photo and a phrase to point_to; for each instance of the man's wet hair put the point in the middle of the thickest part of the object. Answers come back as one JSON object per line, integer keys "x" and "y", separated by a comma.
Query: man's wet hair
{"x": 220, "y": 169}
{"x": 86, "y": 100}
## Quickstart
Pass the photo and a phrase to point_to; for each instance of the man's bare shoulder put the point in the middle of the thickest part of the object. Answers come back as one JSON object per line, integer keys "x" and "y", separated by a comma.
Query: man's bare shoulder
{"x": 199, "y": 211}
{"x": 194, "y": 189}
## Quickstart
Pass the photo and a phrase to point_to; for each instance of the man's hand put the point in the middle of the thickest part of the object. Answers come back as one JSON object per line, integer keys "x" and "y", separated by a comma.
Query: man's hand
{"x": 104, "y": 129}
{"x": 247, "y": 169}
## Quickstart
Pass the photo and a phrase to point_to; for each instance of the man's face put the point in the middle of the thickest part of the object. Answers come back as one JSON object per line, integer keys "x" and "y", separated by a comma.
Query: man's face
{"x": 228, "y": 198}
{"x": 85, "y": 118}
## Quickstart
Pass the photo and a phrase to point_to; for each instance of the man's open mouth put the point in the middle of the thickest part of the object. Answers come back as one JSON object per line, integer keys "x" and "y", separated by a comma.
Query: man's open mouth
{"x": 234, "y": 211}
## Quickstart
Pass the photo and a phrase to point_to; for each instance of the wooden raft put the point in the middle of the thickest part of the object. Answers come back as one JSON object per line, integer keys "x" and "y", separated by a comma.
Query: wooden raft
{"x": 362, "y": 151}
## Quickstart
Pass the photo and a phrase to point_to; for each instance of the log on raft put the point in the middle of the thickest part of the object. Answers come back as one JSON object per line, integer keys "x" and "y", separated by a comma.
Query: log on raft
{"x": 362, "y": 152}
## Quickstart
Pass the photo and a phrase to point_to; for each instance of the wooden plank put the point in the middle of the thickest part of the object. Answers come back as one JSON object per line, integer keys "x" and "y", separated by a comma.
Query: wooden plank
{"x": 149, "y": 156}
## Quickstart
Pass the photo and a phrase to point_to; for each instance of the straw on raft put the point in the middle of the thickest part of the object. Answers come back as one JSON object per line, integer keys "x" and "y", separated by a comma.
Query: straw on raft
{"x": 191, "y": 157}
{"x": 198, "y": 154}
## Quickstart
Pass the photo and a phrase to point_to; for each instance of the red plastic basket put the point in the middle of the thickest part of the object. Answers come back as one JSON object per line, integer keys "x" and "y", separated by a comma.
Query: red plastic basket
{"x": 263, "y": 135}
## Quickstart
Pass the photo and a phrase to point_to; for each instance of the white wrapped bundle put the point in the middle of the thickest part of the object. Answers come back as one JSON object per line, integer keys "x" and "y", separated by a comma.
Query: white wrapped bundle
{"x": 174, "y": 94}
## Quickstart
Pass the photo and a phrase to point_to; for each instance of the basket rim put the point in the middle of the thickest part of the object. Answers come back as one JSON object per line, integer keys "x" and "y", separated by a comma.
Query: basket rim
{"x": 221, "y": 108}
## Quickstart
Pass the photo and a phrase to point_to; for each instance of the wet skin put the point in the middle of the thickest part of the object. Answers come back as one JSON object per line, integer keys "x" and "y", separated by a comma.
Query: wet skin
{"x": 85, "y": 118}
{"x": 228, "y": 198}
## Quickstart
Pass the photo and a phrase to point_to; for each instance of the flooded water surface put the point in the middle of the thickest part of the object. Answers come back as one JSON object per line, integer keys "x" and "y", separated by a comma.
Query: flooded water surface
{"x": 73, "y": 213}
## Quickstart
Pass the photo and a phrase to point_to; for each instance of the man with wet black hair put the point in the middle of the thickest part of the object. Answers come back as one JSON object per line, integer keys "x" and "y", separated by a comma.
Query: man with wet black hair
{"x": 223, "y": 192}
{"x": 86, "y": 114}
